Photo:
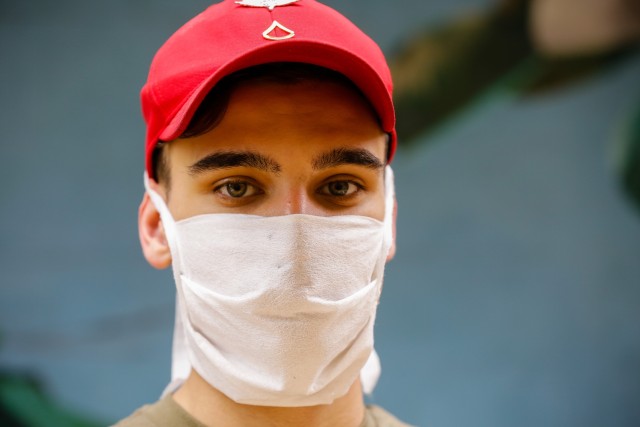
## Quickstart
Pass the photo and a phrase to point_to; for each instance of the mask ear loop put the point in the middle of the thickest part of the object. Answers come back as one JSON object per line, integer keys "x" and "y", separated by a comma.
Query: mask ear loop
{"x": 180, "y": 365}
{"x": 167, "y": 219}
{"x": 389, "y": 202}
{"x": 370, "y": 372}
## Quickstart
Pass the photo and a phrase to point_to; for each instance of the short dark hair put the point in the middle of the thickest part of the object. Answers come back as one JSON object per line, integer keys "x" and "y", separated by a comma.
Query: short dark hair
{"x": 214, "y": 106}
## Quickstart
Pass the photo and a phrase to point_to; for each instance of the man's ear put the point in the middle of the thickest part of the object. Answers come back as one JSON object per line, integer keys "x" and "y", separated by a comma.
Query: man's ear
{"x": 392, "y": 249}
{"x": 153, "y": 239}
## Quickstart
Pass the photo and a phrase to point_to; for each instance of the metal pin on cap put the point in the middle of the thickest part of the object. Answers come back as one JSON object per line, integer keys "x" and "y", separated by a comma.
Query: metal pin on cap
{"x": 270, "y": 4}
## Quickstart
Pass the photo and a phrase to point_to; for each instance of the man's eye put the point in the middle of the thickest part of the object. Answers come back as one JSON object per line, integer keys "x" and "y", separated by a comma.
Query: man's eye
{"x": 237, "y": 189}
{"x": 340, "y": 188}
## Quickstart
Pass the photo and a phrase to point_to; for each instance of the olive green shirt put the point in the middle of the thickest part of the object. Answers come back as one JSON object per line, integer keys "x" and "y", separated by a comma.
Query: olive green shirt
{"x": 167, "y": 413}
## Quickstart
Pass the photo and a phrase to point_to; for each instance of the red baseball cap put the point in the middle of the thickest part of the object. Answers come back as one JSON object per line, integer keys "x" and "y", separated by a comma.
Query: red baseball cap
{"x": 233, "y": 35}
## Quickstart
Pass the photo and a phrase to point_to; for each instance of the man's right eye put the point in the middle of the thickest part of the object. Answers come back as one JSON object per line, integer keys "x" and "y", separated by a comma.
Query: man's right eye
{"x": 236, "y": 189}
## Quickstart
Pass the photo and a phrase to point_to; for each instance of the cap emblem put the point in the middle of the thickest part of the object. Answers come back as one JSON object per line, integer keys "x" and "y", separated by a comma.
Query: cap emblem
{"x": 270, "y": 4}
{"x": 275, "y": 24}
{"x": 270, "y": 33}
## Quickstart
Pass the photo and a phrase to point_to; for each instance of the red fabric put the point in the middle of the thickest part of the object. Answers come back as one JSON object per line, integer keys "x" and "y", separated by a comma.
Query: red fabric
{"x": 227, "y": 37}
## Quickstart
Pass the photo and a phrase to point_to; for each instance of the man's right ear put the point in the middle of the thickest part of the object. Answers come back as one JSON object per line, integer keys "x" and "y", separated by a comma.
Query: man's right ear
{"x": 153, "y": 239}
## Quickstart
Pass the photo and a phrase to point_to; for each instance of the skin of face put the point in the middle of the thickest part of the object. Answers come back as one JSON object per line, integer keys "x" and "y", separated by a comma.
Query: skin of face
{"x": 310, "y": 147}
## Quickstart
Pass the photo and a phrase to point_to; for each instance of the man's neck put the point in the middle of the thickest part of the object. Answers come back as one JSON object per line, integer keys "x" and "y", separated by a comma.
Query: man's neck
{"x": 212, "y": 408}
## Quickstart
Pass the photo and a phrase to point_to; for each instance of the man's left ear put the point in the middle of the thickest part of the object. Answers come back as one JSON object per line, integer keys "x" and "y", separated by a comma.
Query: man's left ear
{"x": 392, "y": 249}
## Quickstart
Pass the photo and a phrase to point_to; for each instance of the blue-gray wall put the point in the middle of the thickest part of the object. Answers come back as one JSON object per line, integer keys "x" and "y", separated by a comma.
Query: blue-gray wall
{"x": 514, "y": 298}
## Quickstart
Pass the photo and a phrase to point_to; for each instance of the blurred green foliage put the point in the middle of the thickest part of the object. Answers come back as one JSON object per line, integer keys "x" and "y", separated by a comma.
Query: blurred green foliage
{"x": 23, "y": 403}
{"x": 441, "y": 72}
{"x": 630, "y": 158}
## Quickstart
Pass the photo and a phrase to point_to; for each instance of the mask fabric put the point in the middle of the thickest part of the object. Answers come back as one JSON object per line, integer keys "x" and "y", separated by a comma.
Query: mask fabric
{"x": 278, "y": 311}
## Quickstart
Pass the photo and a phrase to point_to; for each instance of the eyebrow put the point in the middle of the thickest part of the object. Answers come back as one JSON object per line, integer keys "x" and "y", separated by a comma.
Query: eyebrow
{"x": 347, "y": 156}
{"x": 231, "y": 159}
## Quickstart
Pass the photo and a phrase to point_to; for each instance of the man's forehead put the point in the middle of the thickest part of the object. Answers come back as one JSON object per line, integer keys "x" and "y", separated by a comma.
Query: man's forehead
{"x": 323, "y": 102}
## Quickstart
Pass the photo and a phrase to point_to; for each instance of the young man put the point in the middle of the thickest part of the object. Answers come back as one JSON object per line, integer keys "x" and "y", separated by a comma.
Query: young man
{"x": 270, "y": 125}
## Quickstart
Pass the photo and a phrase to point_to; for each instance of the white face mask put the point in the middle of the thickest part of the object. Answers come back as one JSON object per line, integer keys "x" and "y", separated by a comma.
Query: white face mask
{"x": 279, "y": 311}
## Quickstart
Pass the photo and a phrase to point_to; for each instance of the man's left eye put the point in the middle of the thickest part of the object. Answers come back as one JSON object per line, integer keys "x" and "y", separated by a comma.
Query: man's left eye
{"x": 340, "y": 188}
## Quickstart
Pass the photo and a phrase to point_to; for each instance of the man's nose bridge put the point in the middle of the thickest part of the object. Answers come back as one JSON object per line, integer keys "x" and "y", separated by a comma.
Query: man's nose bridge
{"x": 295, "y": 201}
